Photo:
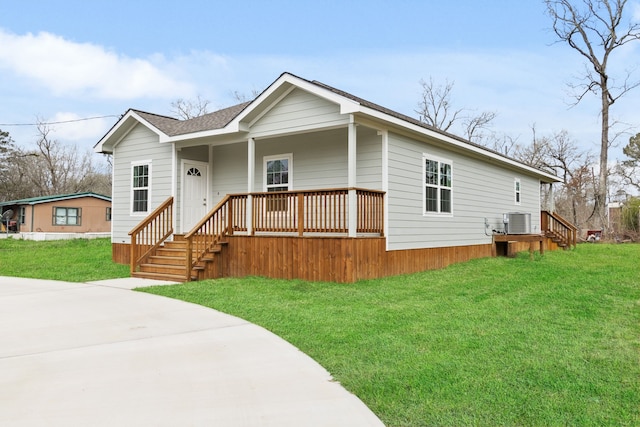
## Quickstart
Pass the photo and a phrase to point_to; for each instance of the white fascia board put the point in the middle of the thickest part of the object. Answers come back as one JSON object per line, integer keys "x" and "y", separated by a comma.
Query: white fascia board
{"x": 452, "y": 141}
{"x": 347, "y": 106}
{"x": 126, "y": 121}
{"x": 229, "y": 129}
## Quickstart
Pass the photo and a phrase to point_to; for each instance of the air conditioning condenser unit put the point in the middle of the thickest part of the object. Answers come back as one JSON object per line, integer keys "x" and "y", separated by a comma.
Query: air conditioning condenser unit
{"x": 517, "y": 223}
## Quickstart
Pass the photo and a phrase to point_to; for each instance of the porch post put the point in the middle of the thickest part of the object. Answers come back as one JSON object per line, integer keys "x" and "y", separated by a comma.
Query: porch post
{"x": 351, "y": 178}
{"x": 552, "y": 202}
{"x": 251, "y": 175}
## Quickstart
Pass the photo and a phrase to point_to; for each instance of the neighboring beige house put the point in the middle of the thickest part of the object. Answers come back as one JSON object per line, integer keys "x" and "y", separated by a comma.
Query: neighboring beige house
{"x": 68, "y": 214}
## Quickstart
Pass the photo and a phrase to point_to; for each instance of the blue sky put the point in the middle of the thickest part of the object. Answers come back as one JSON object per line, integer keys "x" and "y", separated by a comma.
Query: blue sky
{"x": 67, "y": 60}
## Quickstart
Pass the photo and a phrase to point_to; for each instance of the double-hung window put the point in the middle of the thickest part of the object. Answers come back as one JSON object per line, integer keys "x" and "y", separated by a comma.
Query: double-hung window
{"x": 140, "y": 187}
{"x": 278, "y": 177}
{"x": 438, "y": 180}
{"x": 516, "y": 190}
{"x": 67, "y": 216}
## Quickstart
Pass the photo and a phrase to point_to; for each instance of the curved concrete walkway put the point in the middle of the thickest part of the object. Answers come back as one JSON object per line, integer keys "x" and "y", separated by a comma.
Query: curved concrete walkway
{"x": 98, "y": 354}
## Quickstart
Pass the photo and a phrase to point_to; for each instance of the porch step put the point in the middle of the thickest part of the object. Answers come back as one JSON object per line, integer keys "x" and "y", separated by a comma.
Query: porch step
{"x": 168, "y": 262}
{"x": 158, "y": 276}
{"x": 558, "y": 240}
{"x": 176, "y": 270}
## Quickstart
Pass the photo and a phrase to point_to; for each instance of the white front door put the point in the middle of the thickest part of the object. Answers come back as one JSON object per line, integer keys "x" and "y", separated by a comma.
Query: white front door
{"x": 194, "y": 193}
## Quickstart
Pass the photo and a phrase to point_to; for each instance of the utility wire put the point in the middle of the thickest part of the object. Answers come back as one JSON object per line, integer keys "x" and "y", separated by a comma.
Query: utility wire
{"x": 58, "y": 123}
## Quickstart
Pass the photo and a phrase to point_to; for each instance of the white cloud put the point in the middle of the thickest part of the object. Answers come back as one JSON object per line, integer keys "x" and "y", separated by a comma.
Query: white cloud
{"x": 68, "y": 126}
{"x": 70, "y": 68}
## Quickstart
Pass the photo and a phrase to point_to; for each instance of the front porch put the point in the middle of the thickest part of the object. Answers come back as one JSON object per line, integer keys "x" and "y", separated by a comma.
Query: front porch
{"x": 331, "y": 214}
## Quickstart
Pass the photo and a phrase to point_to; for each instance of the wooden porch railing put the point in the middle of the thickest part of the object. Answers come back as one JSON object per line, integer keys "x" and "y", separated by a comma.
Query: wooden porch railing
{"x": 309, "y": 211}
{"x": 150, "y": 233}
{"x": 556, "y": 226}
{"x": 317, "y": 211}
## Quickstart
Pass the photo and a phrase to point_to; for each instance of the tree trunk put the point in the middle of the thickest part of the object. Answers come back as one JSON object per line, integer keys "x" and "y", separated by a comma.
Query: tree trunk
{"x": 601, "y": 196}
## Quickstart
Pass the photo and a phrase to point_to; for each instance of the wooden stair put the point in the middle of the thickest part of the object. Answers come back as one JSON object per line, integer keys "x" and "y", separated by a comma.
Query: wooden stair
{"x": 169, "y": 261}
{"x": 558, "y": 239}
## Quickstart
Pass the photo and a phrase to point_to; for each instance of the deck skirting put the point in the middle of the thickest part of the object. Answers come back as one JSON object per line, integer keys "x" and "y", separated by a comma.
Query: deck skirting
{"x": 331, "y": 259}
{"x": 334, "y": 259}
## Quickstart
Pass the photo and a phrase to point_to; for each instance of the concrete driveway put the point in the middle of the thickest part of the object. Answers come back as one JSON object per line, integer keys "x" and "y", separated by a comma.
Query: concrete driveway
{"x": 99, "y": 354}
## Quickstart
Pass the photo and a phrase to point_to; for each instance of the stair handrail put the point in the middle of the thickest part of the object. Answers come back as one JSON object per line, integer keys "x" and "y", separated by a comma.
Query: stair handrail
{"x": 150, "y": 233}
{"x": 206, "y": 234}
{"x": 570, "y": 229}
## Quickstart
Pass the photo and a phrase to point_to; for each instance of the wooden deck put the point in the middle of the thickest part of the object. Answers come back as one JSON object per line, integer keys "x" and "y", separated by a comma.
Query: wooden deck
{"x": 332, "y": 235}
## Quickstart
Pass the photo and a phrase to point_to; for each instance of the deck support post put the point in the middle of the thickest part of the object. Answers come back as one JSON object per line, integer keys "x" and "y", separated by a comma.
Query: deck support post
{"x": 251, "y": 175}
{"x": 351, "y": 178}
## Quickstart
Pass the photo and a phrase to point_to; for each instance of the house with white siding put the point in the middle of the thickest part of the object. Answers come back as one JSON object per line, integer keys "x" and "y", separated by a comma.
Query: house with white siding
{"x": 307, "y": 181}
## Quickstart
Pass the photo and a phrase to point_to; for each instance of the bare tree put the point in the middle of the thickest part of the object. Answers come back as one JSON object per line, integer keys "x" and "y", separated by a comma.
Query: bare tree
{"x": 436, "y": 109}
{"x": 594, "y": 28}
{"x": 629, "y": 170}
{"x": 190, "y": 108}
{"x": 242, "y": 97}
{"x": 53, "y": 168}
{"x": 474, "y": 125}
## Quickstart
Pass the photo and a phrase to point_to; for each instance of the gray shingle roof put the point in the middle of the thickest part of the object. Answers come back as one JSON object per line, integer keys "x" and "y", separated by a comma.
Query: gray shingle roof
{"x": 172, "y": 127}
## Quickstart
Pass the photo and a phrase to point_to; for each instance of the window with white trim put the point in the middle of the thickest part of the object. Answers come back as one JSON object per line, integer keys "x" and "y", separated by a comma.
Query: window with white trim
{"x": 278, "y": 177}
{"x": 140, "y": 187}
{"x": 516, "y": 191}
{"x": 437, "y": 194}
{"x": 67, "y": 216}
{"x": 277, "y": 172}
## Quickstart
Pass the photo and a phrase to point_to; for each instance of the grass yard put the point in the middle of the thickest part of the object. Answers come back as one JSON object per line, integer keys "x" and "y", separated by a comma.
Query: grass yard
{"x": 78, "y": 260}
{"x": 491, "y": 342}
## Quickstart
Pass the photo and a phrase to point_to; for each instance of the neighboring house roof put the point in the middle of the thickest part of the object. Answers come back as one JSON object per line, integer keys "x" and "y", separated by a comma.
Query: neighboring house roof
{"x": 56, "y": 198}
{"x": 228, "y": 120}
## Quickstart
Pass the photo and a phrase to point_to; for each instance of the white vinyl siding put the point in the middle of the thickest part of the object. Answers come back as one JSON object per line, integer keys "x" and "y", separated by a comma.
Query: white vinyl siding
{"x": 229, "y": 170}
{"x": 320, "y": 159}
{"x": 139, "y": 144}
{"x": 368, "y": 159}
{"x": 481, "y": 190}
{"x": 299, "y": 111}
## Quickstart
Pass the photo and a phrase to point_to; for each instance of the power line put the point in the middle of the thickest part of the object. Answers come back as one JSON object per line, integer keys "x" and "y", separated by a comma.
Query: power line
{"x": 59, "y": 122}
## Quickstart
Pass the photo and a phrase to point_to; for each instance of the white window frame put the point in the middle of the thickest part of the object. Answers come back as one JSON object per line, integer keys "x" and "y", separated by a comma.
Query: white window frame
{"x": 438, "y": 185}
{"x": 148, "y": 188}
{"x": 517, "y": 192}
{"x": 266, "y": 159}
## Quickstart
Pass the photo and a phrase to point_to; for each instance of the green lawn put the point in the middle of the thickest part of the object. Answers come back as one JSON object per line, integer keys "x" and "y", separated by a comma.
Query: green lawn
{"x": 78, "y": 260}
{"x": 492, "y": 342}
